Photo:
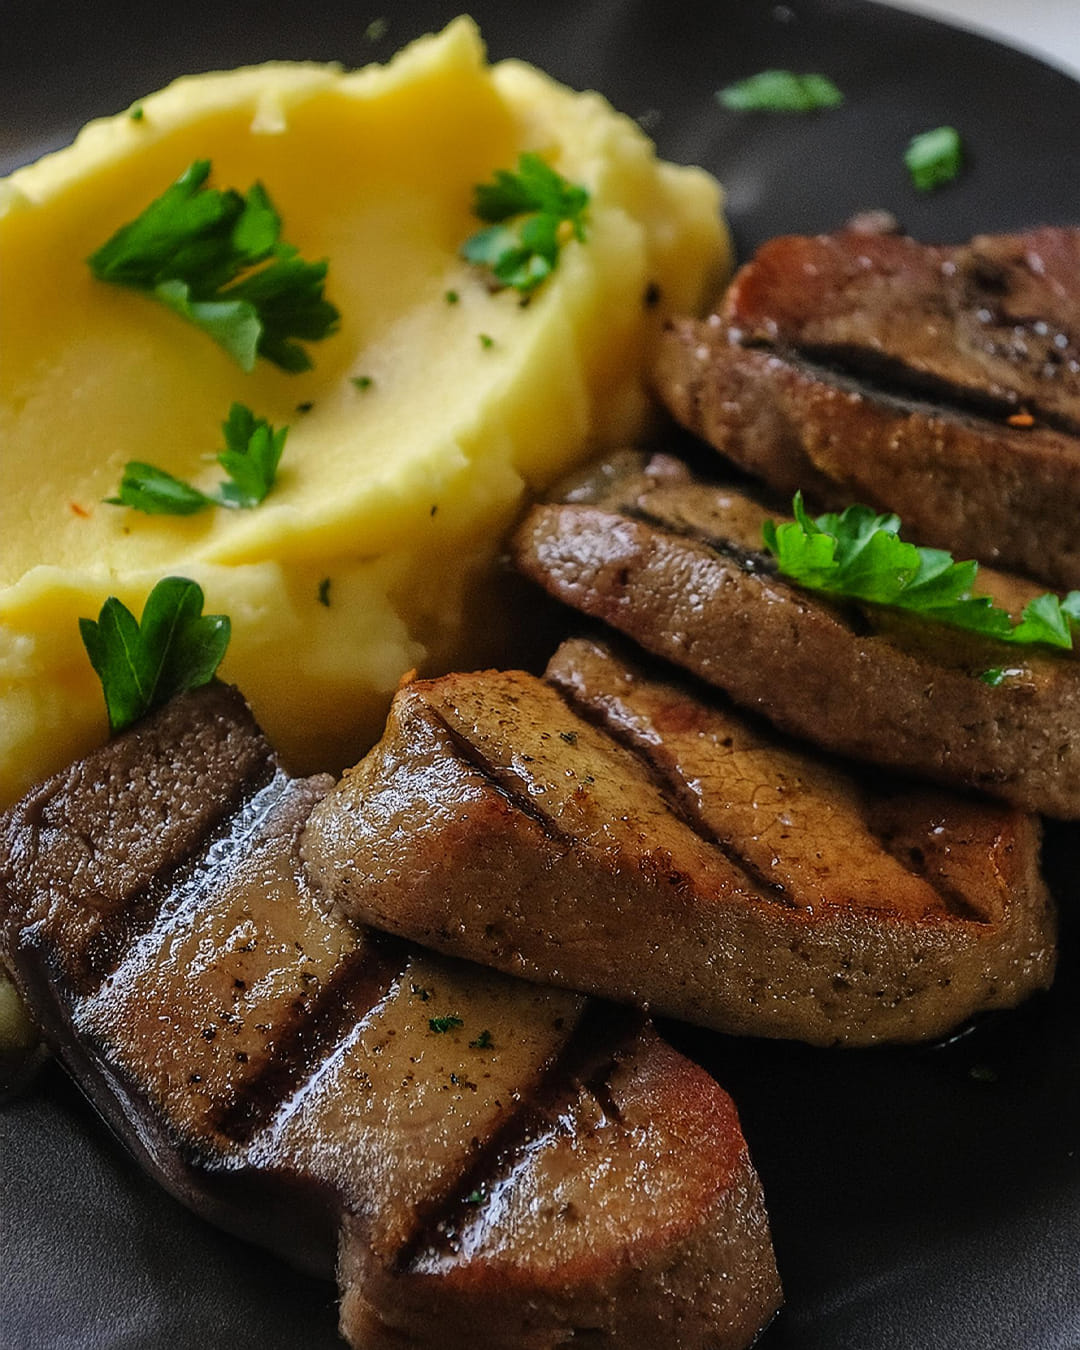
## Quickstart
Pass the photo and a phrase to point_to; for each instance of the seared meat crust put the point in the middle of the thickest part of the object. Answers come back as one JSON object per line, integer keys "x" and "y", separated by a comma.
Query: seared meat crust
{"x": 994, "y": 323}
{"x": 485, "y": 1162}
{"x": 676, "y": 565}
{"x": 939, "y": 383}
{"x": 632, "y": 840}
{"x": 1007, "y": 496}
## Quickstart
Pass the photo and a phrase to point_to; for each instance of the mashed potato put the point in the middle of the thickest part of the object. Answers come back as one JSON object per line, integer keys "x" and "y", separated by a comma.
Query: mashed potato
{"x": 373, "y": 550}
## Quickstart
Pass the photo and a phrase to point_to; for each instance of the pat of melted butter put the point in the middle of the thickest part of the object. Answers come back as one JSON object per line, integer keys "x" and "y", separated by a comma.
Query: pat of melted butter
{"x": 398, "y": 493}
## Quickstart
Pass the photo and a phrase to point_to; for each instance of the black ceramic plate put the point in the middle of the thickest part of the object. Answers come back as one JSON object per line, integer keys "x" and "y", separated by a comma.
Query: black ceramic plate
{"x": 920, "y": 1199}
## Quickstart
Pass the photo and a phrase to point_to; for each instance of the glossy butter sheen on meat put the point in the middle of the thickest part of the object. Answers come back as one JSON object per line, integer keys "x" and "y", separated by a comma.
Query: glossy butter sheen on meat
{"x": 939, "y": 383}
{"x": 487, "y": 1163}
{"x": 994, "y": 323}
{"x": 975, "y": 485}
{"x": 678, "y": 565}
{"x": 619, "y": 834}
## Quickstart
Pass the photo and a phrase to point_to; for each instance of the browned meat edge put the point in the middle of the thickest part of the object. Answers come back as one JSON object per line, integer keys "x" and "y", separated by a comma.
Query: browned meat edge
{"x": 655, "y": 868}
{"x": 672, "y": 572}
{"x": 1004, "y": 495}
{"x": 994, "y": 324}
{"x": 182, "y": 832}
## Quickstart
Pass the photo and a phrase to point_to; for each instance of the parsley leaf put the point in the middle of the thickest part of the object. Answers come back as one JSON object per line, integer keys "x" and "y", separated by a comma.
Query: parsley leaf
{"x": 156, "y": 492}
{"x": 859, "y": 555}
{"x": 217, "y": 259}
{"x": 531, "y": 213}
{"x": 781, "y": 91}
{"x": 934, "y": 157}
{"x": 142, "y": 665}
{"x": 442, "y": 1024}
{"x": 250, "y": 458}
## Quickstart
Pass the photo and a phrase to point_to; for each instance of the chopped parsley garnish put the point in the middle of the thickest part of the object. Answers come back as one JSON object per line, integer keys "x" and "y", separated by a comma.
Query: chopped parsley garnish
{"x": 531, "y": 213}
{"x": 474, "y": 1197}
{"x": 361, "y": 382}
{"x": 859, "y": 555}
{"x": 451, "y": 297}
{"x": 324, "y": 592}
{"x": 145, "y": 488}
{"x": 441, "y": 1024}
{"x": 250, "y": 458}
{"x": 934, "y": 157}
{"x": 137, "y": 114}
{"x": 483, "y": 1042}
{"x": 141, "y": 665}
{"x": 486, "y": 341}
{"x": 217, "y": 259}
{"x": 781, "y": 91}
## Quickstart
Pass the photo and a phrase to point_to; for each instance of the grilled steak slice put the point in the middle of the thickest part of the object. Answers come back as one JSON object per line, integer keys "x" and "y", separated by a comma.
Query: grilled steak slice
{"x": 561, "y": 1215}
{"x": 994, "y": 323}
{"x": 981, "y": 488}
{"x": 632, "y": 840}
{"x": 676, "y": 565}
{"x": 346, "y": 1100}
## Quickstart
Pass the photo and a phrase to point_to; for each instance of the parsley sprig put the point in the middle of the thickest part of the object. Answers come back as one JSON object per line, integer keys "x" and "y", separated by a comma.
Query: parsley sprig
{"x": 250, "y": 458}
{"x": 859, "y": 555}
{"x": 217, "y": 259}
{"x": 174, "y": 648}
{"x": 532, "y": 212}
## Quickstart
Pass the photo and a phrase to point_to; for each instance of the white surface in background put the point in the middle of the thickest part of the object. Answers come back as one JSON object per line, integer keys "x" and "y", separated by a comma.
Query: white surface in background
{"x": 1047, "y": 28}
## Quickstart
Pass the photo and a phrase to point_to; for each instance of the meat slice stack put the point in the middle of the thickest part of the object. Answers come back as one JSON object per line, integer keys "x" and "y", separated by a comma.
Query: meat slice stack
{"x": 677, "y": 565}
{"x": 617, "y": 833}
{"x": 486, "y": 1163}
{"x": 940, "y": 383}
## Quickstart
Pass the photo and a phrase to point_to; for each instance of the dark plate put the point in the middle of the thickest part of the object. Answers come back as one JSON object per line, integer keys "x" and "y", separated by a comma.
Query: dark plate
{"x": 920, "y": 1199}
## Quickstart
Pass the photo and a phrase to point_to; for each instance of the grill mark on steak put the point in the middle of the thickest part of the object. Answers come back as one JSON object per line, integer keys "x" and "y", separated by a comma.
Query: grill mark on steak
{"x": 644, "y": 906}
{"x": 859, "y": 367}
{"x": 605, "y": 686}
{"x": 993, "y": 323}
{"x": 586, "y": 1060}
{"x": 889, "y": 378}
{"x": 904, "y": 693}
{"x": 500, "y": 782}
{"x": 916, "y": 859}
{"x": 880, "y": 378}
{"x": 367, "y": 1119}
{"x": 125, "y": 924}
{"x": 1003, "y": 494}
{"x": 359, "y": 981}
{"x": 850, "y": 614}
{"x": 747, "y": 559}
{"x": 675, "y": 794}
{"x": 668, "y": 789}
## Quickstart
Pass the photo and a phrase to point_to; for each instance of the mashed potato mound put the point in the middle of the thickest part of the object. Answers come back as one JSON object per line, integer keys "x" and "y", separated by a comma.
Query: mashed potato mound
{"x": 413, "y": 439}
